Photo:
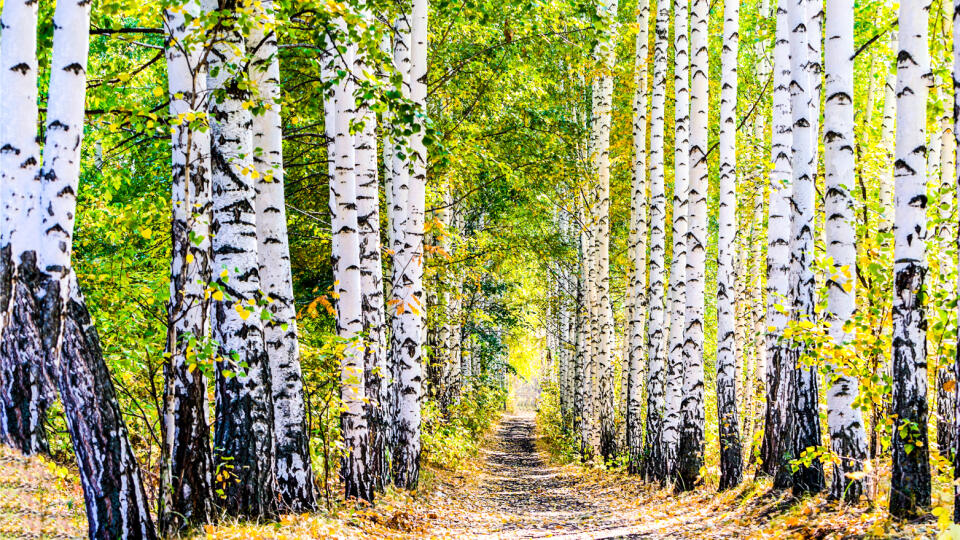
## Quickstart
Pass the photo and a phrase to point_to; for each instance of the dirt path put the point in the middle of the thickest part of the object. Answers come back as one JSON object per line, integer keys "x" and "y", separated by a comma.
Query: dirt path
{"x": 535, "y": 500}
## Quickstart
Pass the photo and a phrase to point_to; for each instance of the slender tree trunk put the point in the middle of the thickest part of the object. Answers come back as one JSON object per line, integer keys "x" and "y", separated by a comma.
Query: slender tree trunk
{"x": 347, "y": 276}
{"x": 603, "y": 118}
{"x": 109, "y": 474}
{"x": 371, "y": 285}
{"x": 804, "y": 100}
{"x": 294, "y": 471}
{"x": 848, "y": 439}
{"x": 946, "y": 236}
{"x": 243, "y": 442}
{"x": 690, "y": 456}
{"x": 910, "y": 482}
{"x": 678, "y": 262}
{"x": 187, "y": 465}
{"x": 778, "y": 428}
{"x": 656, "y": 355}
{"x": 409, "y": 259}
{"x": 638, "y": 244}
{"x": 23, "y": 394}
{"x": 731, "y": 453}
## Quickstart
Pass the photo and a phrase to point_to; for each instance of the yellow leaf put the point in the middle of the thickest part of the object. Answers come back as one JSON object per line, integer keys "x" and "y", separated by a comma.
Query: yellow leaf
{"x": 218, "y": 296}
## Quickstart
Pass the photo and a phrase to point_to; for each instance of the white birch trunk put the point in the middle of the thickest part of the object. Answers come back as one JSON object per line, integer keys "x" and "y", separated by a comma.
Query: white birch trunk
{"x": 678, "y": 263}
{"x": 731, "y": 455}
{"x": 22, "y": 391}
{"x": 409, "y": 261}
{"x": 293, "y": 464}
{"x": 656, "y": 354}
{"x": 636, "y": 298}
{"x": 347, "y": 276}
{"x": 690, "y": 454}
{"x": 243, "y": 434}
{"x": 910, "y": 481}
{"x": 848, "y": 440}
{"x": 606, "y": 53}
{"x": 186, "y": 470}
{"x": 116, "y": 504}
{"x": 780, "y": 372}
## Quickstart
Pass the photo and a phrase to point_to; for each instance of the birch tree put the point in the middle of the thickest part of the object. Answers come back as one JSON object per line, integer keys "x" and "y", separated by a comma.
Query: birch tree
{"x": 656, "y": 355}
{"x": 638, "y": 244}
{"x": 845, "y": 423}
{"x": 371, "y": 286}
{"x": 910, "y": 482}
{"x": 731, "y": 453}
{"x": 116, "y": 504}
{"x": 347, "y": 277}
{"x": 243, "y": 430}
{"x": 22, "y": 393}
{"x": 187, "y": 464}
{"x": 690, "y": 458}
{"x": 408, "y": 263}
{"x": 603, "y": 89}
{"x": 804, "y": 103}
{"x": 294, "y": 472}
{"x": 678, "y": 262}
{"x": 777, "y": 439}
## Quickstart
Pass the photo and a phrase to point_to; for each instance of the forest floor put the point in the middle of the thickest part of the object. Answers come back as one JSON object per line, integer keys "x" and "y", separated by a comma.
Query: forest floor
{"x": 512, "y": 489}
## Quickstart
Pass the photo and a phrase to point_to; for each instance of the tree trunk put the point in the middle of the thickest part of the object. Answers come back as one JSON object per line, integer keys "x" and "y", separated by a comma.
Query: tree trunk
{"x": 638, "y": 245}
{"x": 690, "y": 458}
{"x": 605, "y": 54}
{"x": 804, "y": 101}
{"x": 109, "y": 474}
{"x": 777, "y": 438}
{"x": 678, "y": 261}
{"x": 243, "y": 430}
{"x": 845, "y": 423}
{"x": 656, "y": 355}
{"x": 731, "y": 452}
{"x": 910, "y": 481}
{"x": 409, "y": 259}
{"x": 187, "y": 465}
{"x": 23, "y": 394}
{"x": 347, "y": 276}
{"x": 292, "y": 442}
{"x": 371, "y": 285}
{"x": 956, "y": 365}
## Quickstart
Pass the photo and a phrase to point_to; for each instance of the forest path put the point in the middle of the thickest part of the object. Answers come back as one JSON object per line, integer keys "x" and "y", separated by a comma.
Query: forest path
{"x": 536, "y": 500}
{"x": 517, "y": 493}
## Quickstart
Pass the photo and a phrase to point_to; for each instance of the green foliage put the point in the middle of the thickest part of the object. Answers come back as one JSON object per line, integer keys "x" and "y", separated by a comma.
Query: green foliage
{"x": 450, "y": 438}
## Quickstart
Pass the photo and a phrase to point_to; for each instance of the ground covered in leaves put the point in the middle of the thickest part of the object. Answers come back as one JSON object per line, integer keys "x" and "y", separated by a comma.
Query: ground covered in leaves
{"x": 513, "y": 489}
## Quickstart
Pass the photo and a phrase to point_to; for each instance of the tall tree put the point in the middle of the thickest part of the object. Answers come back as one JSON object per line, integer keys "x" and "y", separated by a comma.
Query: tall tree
{"x": 910, "y": 482}
{"x": 656, "y": 355}
{"x": 371, "y": 285}
{"x": 347, "y": 277}
{"x": 294, "y": 472}
{"x": 731, "y": 453}
{"x": 243, "y": 430}
{"x": 678, "y": 262}
{"x": 777, "y": 434}
{"x": 187, "y": 466}
{"x": 805, "y": 100}
{"x": 638, "y": 245}
{"x": 845, "y": 423}
{"x": 23, "y": 395}
{"x": 603, "y": 89}
{"x": 117, "y": 506}
{"x": 690, "y": 458}
{"x": 409, "y": 261}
